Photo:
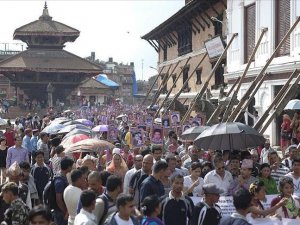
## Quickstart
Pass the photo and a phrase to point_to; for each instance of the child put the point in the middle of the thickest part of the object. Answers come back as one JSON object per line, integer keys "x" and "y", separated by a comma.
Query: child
{"x": 40, "y": 215}
{"x": 291, "y": 208}
{"x": 151, "y": 210}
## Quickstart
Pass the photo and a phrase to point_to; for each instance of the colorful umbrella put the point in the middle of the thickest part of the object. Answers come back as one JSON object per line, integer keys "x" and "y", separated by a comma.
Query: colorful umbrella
{"x": 69, "y": 128}
{"x": 73, "y": 139}
{"x": 53, "y": 128}
{"x": 100, "y": 128}
{"x": 85, "y": 122}
{"x": 87, "y": 132}
{"x": 89, "y": 145}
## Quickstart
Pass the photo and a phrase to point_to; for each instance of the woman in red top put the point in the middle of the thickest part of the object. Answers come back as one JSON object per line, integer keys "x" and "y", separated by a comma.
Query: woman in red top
{"x": 286, "y": 132}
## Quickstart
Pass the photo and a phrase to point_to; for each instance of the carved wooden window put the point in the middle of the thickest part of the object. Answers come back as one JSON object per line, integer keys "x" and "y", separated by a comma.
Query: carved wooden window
{"x": 249, "y": 36}
{"x": 283, "y": 23}
{"x": 184, "y": 40}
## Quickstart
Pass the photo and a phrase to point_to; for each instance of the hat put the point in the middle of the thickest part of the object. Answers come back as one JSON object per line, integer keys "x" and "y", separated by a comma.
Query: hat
{"x": 247, "y": 164}
{"x": 116, "y": 151}
{"x": 211, "y": 189}
{"x": 14, "y": 169}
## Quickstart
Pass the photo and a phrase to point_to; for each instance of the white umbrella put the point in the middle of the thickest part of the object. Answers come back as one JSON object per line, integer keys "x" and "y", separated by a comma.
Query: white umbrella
{"x": 293, "y": 104}
{"x": 2, "y": 122}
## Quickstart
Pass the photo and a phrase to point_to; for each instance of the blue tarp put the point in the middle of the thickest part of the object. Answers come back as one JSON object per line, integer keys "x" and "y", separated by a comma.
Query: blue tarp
{"x": 134, "y": 84}
{"x": 102, "y": 78}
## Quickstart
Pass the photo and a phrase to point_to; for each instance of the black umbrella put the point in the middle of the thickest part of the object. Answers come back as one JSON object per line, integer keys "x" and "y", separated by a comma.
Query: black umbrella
{"x": 229, "y": 136}
{"x": 192, "y": 133}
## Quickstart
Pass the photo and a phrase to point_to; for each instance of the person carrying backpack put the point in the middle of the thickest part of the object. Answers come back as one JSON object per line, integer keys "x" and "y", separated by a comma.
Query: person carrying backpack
{"x": 126, "y": 210}
{"x": 53, "y": 193}
{"x": 106, "y": 203}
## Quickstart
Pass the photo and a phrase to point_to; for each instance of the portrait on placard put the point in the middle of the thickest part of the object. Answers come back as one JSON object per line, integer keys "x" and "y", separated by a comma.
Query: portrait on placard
{"x": 139, "y": 118}
{"x": 165, "y": 121}
{"x": 143, "y": 130}
{"x": 113, "y": 116}
{"x": 196, "y": 122}
{"x": 157, "y": 135}
{"x": 137, "y": 137}
{"x": 149, "y": 120}
{"x": 175, "y": 118}
{"x": 125, "y": 119}
{"x": 185, "y": 127}
{"x": 112, "y": 133}
{"x": 104, "y": 119}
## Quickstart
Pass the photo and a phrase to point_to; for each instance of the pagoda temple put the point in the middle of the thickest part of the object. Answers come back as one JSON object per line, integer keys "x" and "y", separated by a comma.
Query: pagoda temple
{"x": 45, "y": 66}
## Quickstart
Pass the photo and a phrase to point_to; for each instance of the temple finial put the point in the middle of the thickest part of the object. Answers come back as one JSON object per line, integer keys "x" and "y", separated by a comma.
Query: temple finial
{"x": 45, "y": 6}
{"x": 45, "y": 15}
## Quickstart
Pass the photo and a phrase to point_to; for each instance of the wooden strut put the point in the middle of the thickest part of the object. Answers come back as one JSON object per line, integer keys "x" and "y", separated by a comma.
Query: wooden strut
{"x": 235, "y": 113}
{"x": 149, "y": 91}
{"x": 235, "y": 93}
{"x": 164, "y": 82}
{"x": 219, "y": 108}
{"x": 263, "y": 118}
{"x": 173, "y": 85}
{"x": 184, "y": 85}
{"x": 205, "y": 85}
{"x": 279, "y": 107}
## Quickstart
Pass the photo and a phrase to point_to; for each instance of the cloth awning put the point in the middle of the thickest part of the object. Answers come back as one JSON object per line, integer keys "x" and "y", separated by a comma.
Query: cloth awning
{"x": 102, "y": 78}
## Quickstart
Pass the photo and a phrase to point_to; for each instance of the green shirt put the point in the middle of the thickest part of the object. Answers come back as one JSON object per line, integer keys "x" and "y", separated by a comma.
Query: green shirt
{"x": 270, "y": 185}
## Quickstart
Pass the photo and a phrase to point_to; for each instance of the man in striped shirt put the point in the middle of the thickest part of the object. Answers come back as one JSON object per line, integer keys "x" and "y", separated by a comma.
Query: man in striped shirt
{"x": 277, "y": 168}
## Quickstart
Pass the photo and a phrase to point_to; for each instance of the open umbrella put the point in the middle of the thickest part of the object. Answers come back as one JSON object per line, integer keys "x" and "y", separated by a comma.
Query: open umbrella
{"x": 120, "y": 117}
{"x": 87, "y": 132}
{"x": 293, "y": 104}
{"x": 2, "y": 122}
{"x": 229, "y": 136}
{"x": 60, "y": 120}
{"x": 53, "y": 128}
{"x": 72, "y": 122}
{"x": 69, "y": 128}
{"x": 85, "y": 122}
{"x": 192, "y": 133}
{"x": 89, "y": 145}
{"x": 73, "y": 139}
{"x": 100, "y": 128}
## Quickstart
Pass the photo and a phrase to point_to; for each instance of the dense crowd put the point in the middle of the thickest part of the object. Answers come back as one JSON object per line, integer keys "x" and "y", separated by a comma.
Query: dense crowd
{"x": 153, "y": 178}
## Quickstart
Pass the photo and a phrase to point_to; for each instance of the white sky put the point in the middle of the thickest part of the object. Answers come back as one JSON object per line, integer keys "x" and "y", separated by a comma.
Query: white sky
{"x": 110, "y": 28}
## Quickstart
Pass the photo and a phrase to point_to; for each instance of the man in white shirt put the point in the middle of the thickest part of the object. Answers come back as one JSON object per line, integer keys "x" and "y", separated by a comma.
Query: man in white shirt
{"x": 219, "y": 176}
{"x": 295, "y": 175}
{"x": 138, "y": 160}
{"x": 86, "y": 216}
{"x": 265, "y": 152}
{"x": 72, "y": 194}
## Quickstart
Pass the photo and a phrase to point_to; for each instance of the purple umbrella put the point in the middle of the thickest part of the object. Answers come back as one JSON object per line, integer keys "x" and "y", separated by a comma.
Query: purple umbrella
{"x": 85, "y": 122}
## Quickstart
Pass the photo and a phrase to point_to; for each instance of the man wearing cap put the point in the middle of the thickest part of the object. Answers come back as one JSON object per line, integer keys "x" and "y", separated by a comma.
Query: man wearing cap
{"x": 207, "y": 211}
{"x": 244, "y": 180}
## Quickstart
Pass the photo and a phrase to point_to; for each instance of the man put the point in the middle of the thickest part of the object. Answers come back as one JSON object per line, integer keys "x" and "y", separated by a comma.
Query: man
{"x": 295, "y": 175}
{"x": 277, "y": 168}
{"x": 207, "y": 211}
{"x": 56, "y": 159}
{"x": 219, "y": 176}
{"x": 244, "y": 180}
{"x": 72, "y": 194}
{"x": 95, "y": 182}
{"x": 242, "y": 203}
{"x": 86, "y": 216}
{"x": 234, "y": 166}
{"x": 106, "y": 203}
{"x": 41, "y": 173}
{"x": 176, "y": 208}
{"x": 152, "y": 184}
{"x": 126, "y": 210}
{"x": 26, "y": 141}
{"x": 265, "y": 152}
{"x": 9, "y": 135}
{"x": 42, "y": 145}
{"x": 34, "y": 140}
{"x": 60, "y": 184}
{"x": 293, "y": 153}
{"x": 16, "y": 153}
{"x": 157, "y": 152}
{"x": 17, "y": 213}
{"x": 179, "y": 166}
{"x": 171, "y": 160}
{"x": 138, "y": 159}
{"x": 193, "y": 156}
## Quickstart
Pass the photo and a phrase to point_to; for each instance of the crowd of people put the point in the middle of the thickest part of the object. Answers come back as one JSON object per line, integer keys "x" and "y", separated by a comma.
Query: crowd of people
{"x": 156, "y": 181}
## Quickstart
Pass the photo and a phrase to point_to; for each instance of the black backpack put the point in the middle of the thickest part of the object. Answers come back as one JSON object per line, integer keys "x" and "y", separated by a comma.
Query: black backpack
{"x": 49, "y": 194}
{"x": 105, "y": 211}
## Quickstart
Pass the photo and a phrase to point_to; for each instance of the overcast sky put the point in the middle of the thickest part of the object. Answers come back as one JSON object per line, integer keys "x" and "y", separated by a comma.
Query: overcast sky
{"x": 109, "y": 28}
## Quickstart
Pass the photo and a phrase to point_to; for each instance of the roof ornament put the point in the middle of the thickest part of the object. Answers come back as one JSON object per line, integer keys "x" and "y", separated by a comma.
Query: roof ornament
{"x": 45, "y": 15}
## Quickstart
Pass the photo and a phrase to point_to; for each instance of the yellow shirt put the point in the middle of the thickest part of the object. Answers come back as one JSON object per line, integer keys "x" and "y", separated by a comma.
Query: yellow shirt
{"x": 128, "y": 139}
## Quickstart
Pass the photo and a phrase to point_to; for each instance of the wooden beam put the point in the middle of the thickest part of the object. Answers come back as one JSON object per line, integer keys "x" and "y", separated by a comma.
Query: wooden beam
{"x": 172, "y": 40}
{"x": 156, "y": 49}
{"x": 203, "y": 27}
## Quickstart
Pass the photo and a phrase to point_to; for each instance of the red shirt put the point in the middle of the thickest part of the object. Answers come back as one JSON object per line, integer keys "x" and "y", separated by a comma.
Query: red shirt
{"x": 10, "y": 138}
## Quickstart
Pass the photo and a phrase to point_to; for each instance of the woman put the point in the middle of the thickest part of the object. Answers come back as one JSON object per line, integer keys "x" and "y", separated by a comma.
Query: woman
{"x": 290, "y": 209}
{"x": 192, "y": 184}
{"x": 151, "y": 210}
{"x": 3, "y": 154}
{"x": 295, "y": 126}
{"x": 286, "y": 132}
{"x": 206, "y": 168}
{"x": 40, "y": 215}
{"x": 265, "y": 177}
{"x": 117, "y": 166}
{"x": 258, "y": 193}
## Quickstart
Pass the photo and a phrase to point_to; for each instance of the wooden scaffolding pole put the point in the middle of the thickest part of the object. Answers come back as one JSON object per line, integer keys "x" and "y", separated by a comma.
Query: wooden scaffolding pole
{"x": 205, "y": 85}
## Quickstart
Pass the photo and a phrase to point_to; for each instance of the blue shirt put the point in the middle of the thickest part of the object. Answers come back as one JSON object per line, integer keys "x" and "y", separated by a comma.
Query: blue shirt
{"x": 33, "y": 142}
{"x": 26, "y": 143}
{"x": 16, "y": 155}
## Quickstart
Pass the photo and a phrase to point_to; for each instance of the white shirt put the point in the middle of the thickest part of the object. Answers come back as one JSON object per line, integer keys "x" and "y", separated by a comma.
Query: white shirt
{"x": 213, "y": 177}
{"x": 123, "y": 222}
{"x": 187, "y": 183}
{"x": 71, "y": 198}
{"x": 85, "y": 218}
{"x": 127, "y": 179}
{"x": 296, "y": 183}
{"x": 264, "y": 155}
